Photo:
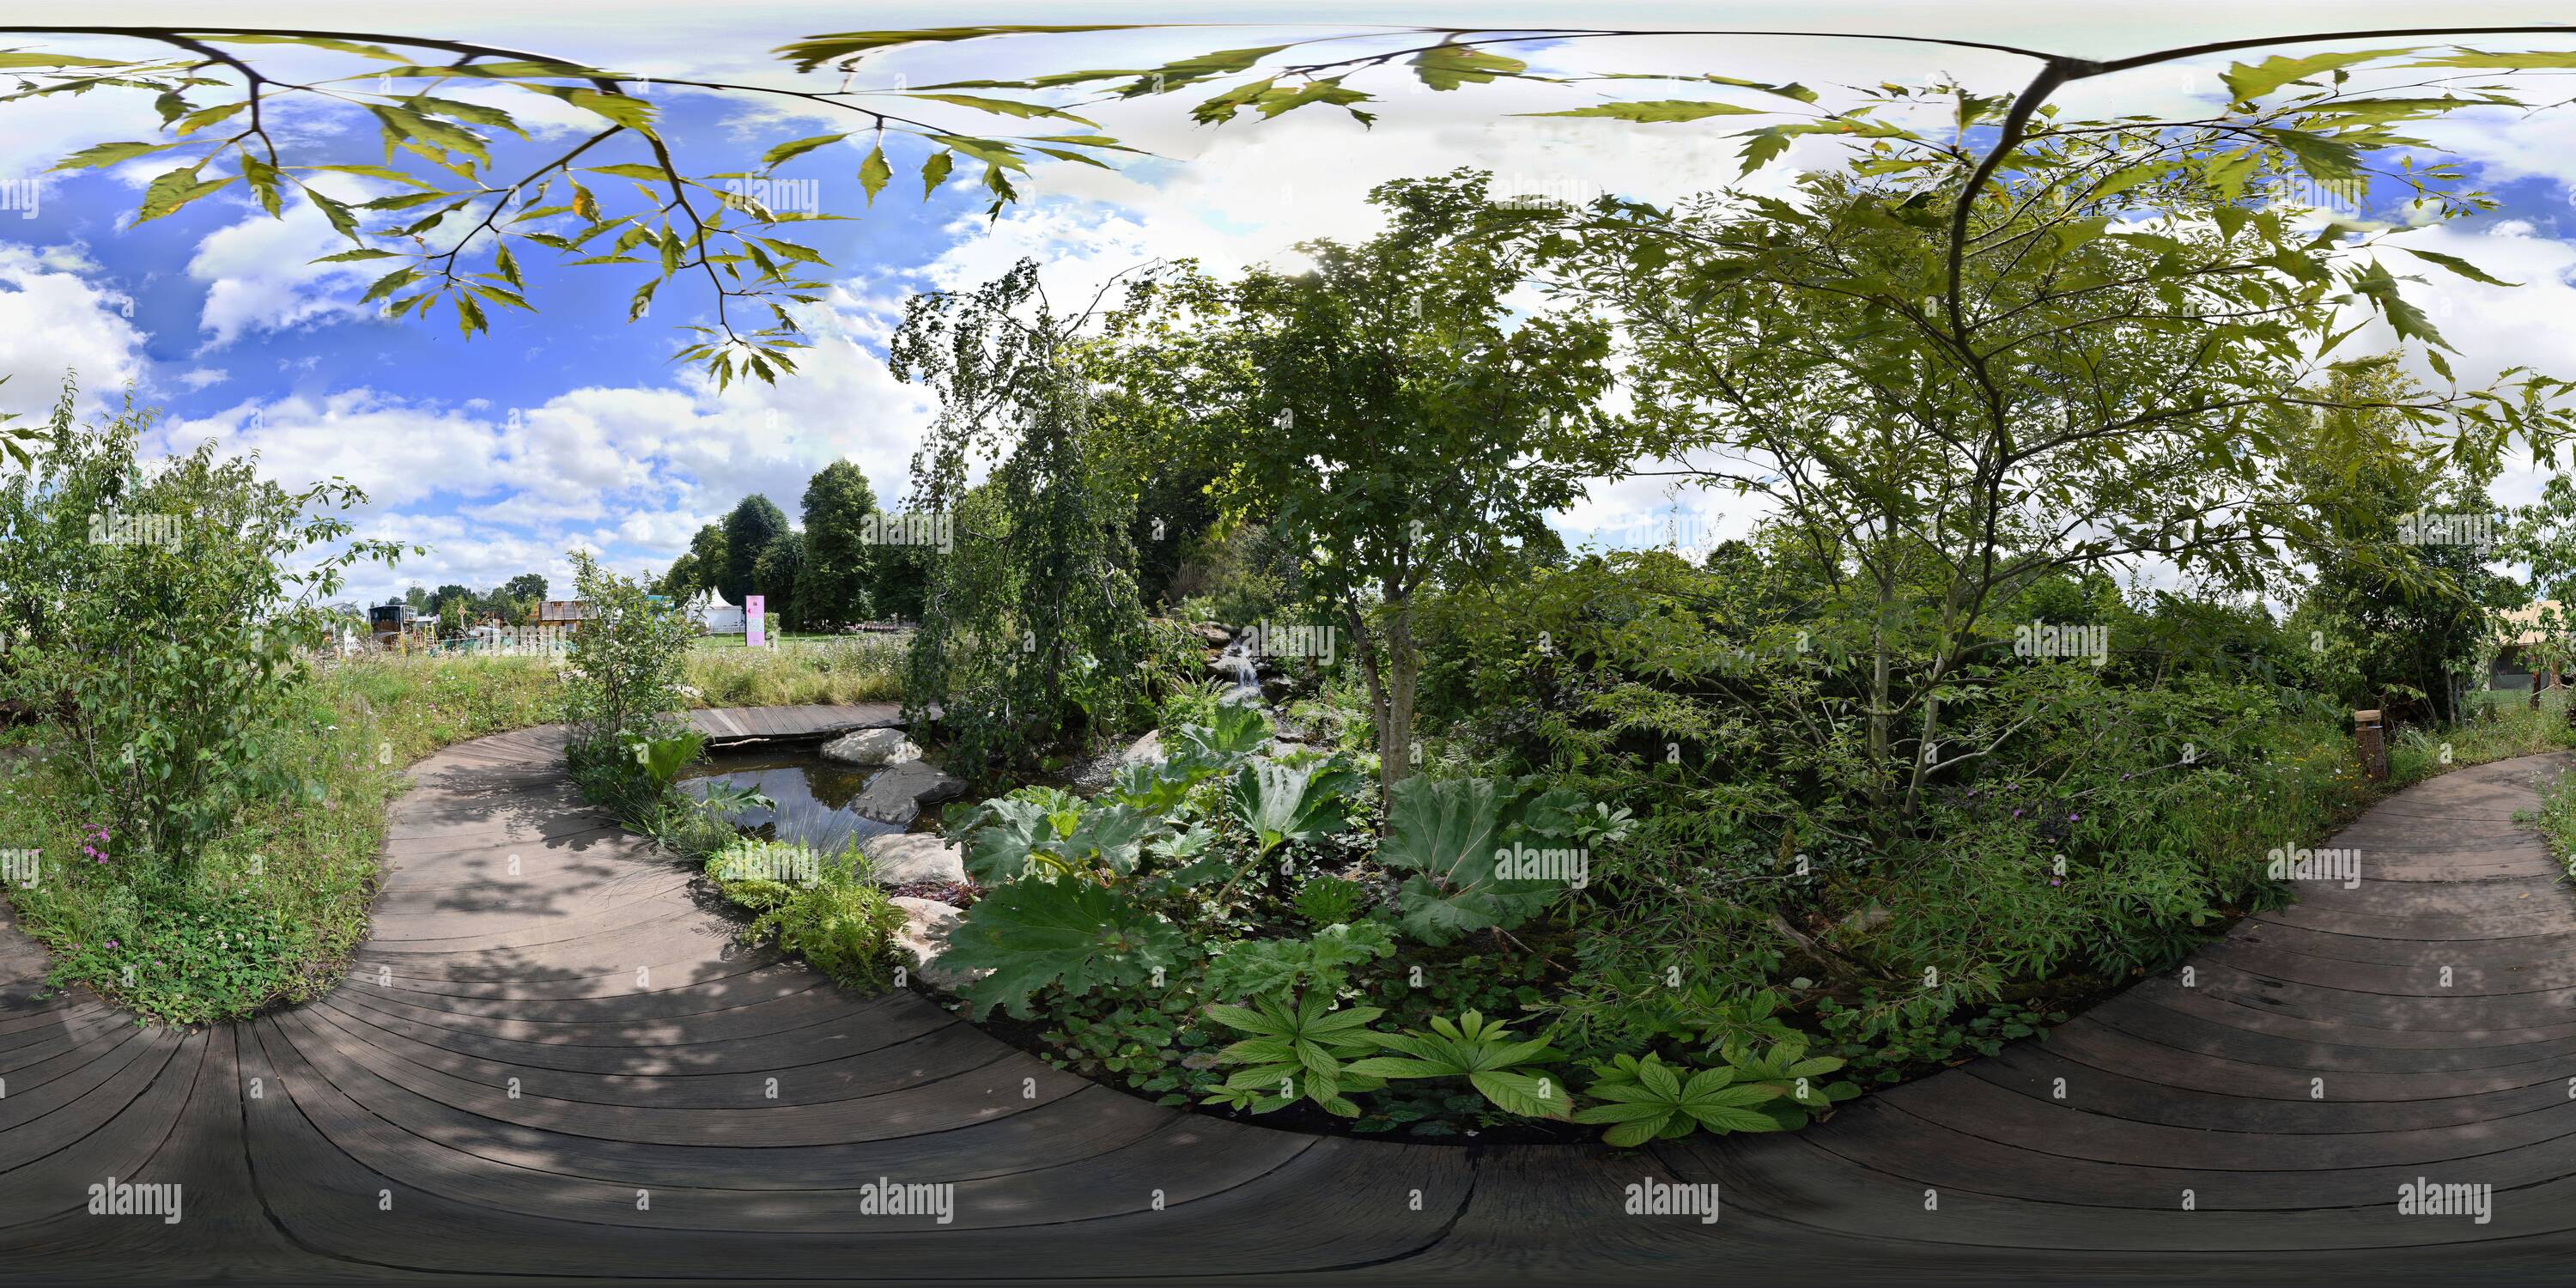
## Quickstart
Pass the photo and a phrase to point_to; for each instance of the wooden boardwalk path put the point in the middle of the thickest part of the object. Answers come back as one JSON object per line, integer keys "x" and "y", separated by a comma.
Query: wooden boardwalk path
{"x": 553, "y": 1061}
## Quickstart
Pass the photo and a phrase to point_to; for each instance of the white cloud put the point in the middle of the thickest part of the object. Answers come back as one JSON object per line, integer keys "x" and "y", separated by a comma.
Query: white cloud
{"x": 55, "y": 320}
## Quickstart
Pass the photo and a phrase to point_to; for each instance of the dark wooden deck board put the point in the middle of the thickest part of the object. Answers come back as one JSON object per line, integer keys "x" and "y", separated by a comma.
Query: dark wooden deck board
{"x": 658, "y": 1082}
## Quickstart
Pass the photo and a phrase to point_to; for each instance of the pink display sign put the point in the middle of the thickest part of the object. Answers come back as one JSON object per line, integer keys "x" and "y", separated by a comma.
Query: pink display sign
{"x": 754, "y": 636}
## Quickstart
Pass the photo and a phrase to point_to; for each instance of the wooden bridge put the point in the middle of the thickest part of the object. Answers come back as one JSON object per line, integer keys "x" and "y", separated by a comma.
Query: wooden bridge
{"x": 552, "y": 1060}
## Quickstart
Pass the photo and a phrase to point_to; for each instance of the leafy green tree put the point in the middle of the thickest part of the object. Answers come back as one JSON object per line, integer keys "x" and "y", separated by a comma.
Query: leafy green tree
{"x": 2083, "y": 364}
{"x": 625, "y": 663}
{"x": 697, "y": 569}
{"x": 833, "y": 585}
{"x": 1032, "y": 628}
{"x": 2400, "y": 583}
{"x": 753, "y": 523}
{"x": 779, "y": 574}
{"x": 900, "y": 577}
{"x": 1397, "y": 421}
{"x": 527, "y": 585}
{"x": 164, "y": 615}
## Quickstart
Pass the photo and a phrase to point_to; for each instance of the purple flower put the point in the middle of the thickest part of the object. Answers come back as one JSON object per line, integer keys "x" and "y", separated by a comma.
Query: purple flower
{"x": 2016, "y": 813}
{"x": 2073, "y": 817}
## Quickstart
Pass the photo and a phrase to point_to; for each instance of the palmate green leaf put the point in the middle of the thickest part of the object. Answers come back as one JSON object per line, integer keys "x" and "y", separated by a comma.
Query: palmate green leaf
{"x": 1446, "y": 67}
{"x": 1000, "y": 835}
{"x": 1261, "y": 967}
{"x": 1066, "y": 932}
{"x": 1235, "y": 730}
{"x": 1663, "y": 110}
{"x": 1282, "y": 804}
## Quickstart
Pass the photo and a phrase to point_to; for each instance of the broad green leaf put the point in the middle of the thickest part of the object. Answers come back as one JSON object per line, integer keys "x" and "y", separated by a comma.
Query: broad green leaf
{"x": 342, "y": 219}
{"x": 109, "y": 154}
{"x": 1446, "y": 67}
{"x": 16, "y": 59}
{"x": 1284, "y": 804}
{"x": 1065, "y": 932}
{"x": 1656, "y": 110}
{"x": 1004, "y": 107}
{"x": 934, "y": 172}
{"x": 2247, "y": 83}
{"x": 846, "y": 47}
{"x": 874, "y": 173}
{"x": 2456, "y": 264}
{"x": 169, "y": 192}
{"x": 798, "y": 148}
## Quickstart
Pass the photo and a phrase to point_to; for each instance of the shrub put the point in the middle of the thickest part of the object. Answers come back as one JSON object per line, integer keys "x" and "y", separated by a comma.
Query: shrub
{"x": 625, "y": 662}
{"x": 160, "y": 618}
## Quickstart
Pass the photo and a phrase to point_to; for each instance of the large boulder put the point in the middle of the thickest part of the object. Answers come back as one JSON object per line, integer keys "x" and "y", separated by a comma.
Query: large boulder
{"x": 1147, "y": 750}
{"x": 906, "y": 857}
{"x": 872, "y": 747}
{"x": 897, "y": 794}
{"x": 926, "y": 923}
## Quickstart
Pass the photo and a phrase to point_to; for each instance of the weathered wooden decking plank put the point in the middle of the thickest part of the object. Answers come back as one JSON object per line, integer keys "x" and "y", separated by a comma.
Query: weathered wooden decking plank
{"x": 566, "y": 1066}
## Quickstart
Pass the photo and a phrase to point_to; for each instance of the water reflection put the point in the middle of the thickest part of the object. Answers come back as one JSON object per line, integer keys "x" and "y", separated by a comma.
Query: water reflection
{"x": 814, "y": 795}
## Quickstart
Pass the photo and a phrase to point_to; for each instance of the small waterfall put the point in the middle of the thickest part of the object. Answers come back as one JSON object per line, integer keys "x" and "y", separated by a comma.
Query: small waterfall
{"x": 1237, "y": 664}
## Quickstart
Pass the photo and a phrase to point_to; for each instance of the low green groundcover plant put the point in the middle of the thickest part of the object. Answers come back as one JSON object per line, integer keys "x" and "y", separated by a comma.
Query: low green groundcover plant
{"x": 275, "y": 903}
{"x": 822, "y": 907}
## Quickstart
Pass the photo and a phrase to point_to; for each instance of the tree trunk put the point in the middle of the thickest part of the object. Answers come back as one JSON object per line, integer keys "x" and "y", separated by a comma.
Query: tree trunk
{"x": 1404, "y": 669}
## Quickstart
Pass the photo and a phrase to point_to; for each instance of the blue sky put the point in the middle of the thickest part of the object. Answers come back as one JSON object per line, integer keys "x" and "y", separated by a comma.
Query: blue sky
{"x": 569, "y": 428}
